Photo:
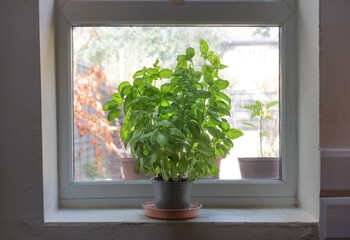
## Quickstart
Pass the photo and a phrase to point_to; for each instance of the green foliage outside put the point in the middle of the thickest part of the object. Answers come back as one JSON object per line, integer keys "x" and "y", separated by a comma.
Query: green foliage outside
{"x": 178, "y": 128}
{"x": 263, "y": 31}
{"x": 260, "y": 111}
{"x": 140, "y": 43}
{"x": 90, "y": 169}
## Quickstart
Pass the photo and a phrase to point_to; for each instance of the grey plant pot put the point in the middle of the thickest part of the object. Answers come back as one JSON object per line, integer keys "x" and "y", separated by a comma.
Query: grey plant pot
{"x": 172, "y": 195}
{"x": 259, "y": 167}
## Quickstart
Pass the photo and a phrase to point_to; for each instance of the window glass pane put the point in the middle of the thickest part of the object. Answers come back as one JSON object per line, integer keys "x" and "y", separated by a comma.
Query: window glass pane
{"x": 105, "y": 56}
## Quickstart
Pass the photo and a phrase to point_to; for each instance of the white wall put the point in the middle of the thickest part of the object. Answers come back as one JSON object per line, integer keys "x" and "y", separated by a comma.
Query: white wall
{"x": 308, "y": 105}
{"x": 48, "y": 105}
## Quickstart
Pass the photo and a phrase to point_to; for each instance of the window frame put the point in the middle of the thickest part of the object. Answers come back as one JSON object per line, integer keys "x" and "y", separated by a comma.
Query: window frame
{"x": 193, "y": 12}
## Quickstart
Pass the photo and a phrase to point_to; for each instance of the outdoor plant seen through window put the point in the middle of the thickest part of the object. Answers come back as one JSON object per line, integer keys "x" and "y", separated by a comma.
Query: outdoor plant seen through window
{"x": 103, "y": 57}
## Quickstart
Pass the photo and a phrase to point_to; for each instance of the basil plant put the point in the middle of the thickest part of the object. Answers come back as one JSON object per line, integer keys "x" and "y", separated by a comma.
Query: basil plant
{"x": 176, "y": 130}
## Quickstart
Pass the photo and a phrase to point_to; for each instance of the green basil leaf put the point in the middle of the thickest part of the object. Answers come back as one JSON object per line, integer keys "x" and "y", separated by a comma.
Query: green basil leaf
{"x": 126, "y": 90}
{"x": 168, "y": 96}
{"x": 203, "y": 94}
{"x": 128, "y": 137}
{"x": 165, "y": 73}
{"x": 208, "y": 79}
{"x": 118, "y": 99}
{"x": 225, "y": 126}
{"x": 149, "y": 79}
{"x": 182, "y": 167}
{"x": 224, "y": 96}
{"x": 221, "y": 84}
{"x": 113, "y": 114}
{"x": 248, "y": 124}
{"x": 213, "y": 132}
{"x": 228, "y": 143}
{"x": 173, "y": 170}
{"x": 181, "y": 62}
{"x": 215, "y": 60}
{"x": 190, "y": 52}
{"x": 168, "y": 109}
{"x": 271, "y": 104}
{"x": 250, "y": 107}
{"x": 197, "y": 76}
{"x": 164, "y": 173}
{"x": 110, "y": 105}
{"x": 221, "y": 110}
{"x": 194, "y": 128}
{"x": 214, "y": 170}
{"x": 223, "y": 104}
{"x": 155, "y": 158}
{"x": 213, "y": 120}
{"x": 167, "y": 87}
{"x": 207, "y": 70}
{"x": 146, "y": 163}
{"x": 162, "y": 139}
{"x": 139, "y": 73}
{"x": 138, "y": 81}
{"x": 137, "y": 166}
{"x": 203, "y": 46}
{"x": 234, "y": 133}
{"x": 122, "y": 84}
{"x": 264, "y": 134}
{"x": 146, "y": 136}
{"x": 152, "y": 71}
{"x": 176, "y": 133}
{"x": 191, "y": 174}
{"x": 124, "y": 130}
{"x": 205, "y": 137}
{"x": 222, "y": 66}
{"x": 156, "y": 63}
{"x": 164, "y": 123}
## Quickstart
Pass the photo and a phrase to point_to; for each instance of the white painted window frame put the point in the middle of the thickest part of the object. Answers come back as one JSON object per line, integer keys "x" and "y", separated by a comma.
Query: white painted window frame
{"x": 222, "y": 193}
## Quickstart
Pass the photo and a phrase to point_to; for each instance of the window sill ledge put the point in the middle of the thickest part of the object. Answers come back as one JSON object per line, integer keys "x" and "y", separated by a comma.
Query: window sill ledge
{"x": 243, "y": 224}
{"x": 253, "y": 216}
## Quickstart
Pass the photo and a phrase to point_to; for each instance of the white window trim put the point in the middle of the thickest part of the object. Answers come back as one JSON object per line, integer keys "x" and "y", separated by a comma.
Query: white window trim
{"x": 211, "y": 192}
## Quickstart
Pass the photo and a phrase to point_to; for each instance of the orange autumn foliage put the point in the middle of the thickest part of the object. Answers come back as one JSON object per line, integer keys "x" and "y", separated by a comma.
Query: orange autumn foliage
{"x": 94, "y": 141}
{"x": 88, "y": 114}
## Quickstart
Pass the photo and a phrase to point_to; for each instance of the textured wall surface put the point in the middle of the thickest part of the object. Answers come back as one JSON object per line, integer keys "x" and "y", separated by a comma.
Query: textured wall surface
{"x": 334, "y": 74}
{"x": 22, "y": 153}
{"x": 21, "y": 200}
{"x": 335, "y": 118}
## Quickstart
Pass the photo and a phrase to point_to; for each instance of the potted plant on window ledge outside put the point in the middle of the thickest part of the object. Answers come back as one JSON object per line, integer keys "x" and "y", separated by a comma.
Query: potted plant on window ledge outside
{"x": 126, "y": 161}
{"x": 177, "y": 129}
{"x": 259, "y": 167}
{"x": 127, "y": 169}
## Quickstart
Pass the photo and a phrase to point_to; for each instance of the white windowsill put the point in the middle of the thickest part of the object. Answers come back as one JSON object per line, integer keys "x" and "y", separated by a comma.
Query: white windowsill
{"x": 217, "y": 216}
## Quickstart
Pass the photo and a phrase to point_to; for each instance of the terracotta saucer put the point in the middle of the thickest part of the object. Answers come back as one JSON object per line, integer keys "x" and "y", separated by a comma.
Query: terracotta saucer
{"x": 153, "y": 212}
